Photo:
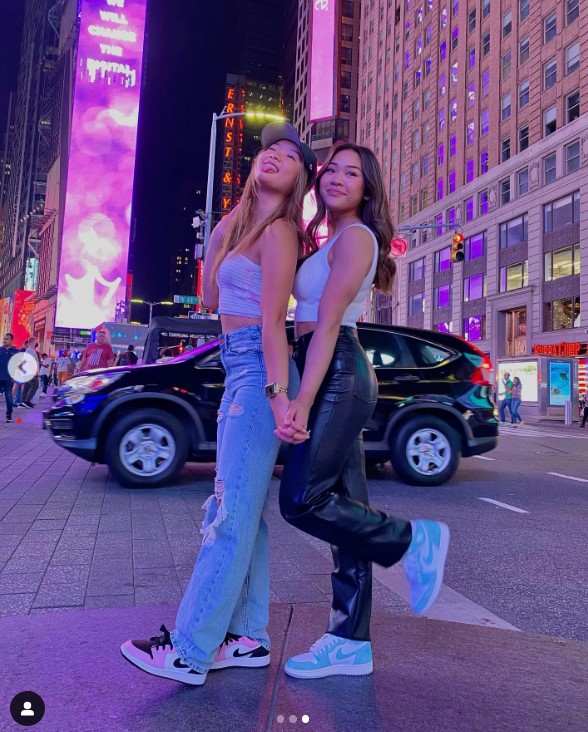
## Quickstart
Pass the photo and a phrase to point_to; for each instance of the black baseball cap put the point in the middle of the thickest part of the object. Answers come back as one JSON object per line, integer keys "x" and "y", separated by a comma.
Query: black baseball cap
{"x": 275, "y": 131}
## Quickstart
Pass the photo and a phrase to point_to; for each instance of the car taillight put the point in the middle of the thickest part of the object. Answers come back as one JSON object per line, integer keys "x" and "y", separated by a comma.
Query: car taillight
{"x": 481, "y": 374}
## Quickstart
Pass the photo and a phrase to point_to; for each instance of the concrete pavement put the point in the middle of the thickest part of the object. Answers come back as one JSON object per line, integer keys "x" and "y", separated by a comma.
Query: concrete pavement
{"x": 86, "y": 564}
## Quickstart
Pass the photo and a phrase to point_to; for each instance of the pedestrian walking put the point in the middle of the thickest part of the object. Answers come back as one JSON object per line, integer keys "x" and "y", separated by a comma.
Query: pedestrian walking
{"x": 98, "y": 355}
{"x": 17, "y": 388}
{"x": 31, "y": 387}
{"x": 515, "y": 402}
{"x": 63, "y": 368}
{"x": 249, "y": 270}
{"x": 584, "y": 407}
{"x": 44, "y": 371}
{"x": 7, "y": 351}
{"x": 324, "y": 487}
{"x": 507, "y": 399}
{"x": 128, "y": 357}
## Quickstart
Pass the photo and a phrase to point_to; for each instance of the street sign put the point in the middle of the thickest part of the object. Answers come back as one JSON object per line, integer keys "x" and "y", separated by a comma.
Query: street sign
{"x": 186, "y": 299}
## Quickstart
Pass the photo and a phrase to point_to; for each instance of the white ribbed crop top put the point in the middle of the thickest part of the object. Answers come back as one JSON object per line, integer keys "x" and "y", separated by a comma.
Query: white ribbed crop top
{"x": 239, "y": 287}
{"x": 312, "y": 277}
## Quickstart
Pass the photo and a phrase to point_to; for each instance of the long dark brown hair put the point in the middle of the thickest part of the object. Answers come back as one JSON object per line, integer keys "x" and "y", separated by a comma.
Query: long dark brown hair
{"x": 242, "y": 231}
{"x": 374, "y": 211}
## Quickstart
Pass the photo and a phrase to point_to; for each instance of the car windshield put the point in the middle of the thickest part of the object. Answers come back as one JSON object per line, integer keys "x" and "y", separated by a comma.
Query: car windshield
{"x": 193, "y": 352}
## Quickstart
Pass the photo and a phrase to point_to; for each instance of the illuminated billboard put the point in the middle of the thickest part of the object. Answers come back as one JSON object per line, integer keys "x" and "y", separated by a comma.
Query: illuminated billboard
{"x": 560, "y": 383}
{"x": 322, "y": 60}
{"x": 96, "y": 227}
{"x": 22, "y": 312}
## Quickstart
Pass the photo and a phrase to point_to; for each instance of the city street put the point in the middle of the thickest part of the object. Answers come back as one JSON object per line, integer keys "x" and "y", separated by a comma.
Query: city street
{"x": 87, "y": 564}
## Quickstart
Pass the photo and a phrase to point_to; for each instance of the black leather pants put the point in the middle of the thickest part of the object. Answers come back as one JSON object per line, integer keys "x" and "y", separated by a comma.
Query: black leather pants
{"x": 324, "y": 486}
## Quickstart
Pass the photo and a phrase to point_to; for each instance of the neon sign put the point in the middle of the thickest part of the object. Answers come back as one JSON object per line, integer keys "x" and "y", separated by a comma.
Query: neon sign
{"x": 96, "y": 225}
{"x": 322, "y": 60}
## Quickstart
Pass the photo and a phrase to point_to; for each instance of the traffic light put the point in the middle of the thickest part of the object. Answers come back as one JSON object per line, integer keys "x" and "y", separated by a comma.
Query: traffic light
{"x": 457, "y": 253}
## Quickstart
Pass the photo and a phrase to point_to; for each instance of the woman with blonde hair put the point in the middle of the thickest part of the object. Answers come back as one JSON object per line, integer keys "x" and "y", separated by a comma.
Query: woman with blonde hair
{"x": 248, "y": 275}
{"x": 324, "y": 487}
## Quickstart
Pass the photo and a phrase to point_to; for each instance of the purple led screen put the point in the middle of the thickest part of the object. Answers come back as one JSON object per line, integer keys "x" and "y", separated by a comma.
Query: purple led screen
{"x": 322, "y": 60}
{"x": 96, "y": 228}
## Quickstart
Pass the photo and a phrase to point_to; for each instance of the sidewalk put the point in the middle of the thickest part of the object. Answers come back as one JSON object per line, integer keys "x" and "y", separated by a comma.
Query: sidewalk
{"x": 85, "y": 564}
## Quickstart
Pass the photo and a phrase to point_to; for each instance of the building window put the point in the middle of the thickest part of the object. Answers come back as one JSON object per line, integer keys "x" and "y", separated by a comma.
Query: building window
{"x": 475, "y": 246}
{"x": 346, "y": 55}
{"x": 454, "y": 74}
{"x": 453, "y": 110}
{"x": 439, "y": 222}
{"x": 524, "y": 47}
{"x": 524, "y": 9}
{"x": 442, "y": 85}
{"x": 486, "y": 44}
{"x": 472, "y": 21}
{"x": 416, "y": 303}
{"x": 428, "y": 34}
{"x": 550, "y": 121}
{"x": 345, "y": 103}
{"x": 427, "y": 99}
{"x": 522, "y": 182}
{"x": 562, "y": 262}
{"x": 505, "y": 149}
{"x": 572, "y": 57}
{"x": 507, "y": 24}
{"x": 469, "y": 209}
{"x": 469, "y": 170}
{"x": 454, "y": 38}
{"x": 523, "y": 94}
{"x": 452, "y": 146}
{"x": 523, "y": 138}
{"x": 470, "y": 132}
{"x": 445, "y": 327}
{"x": 573, "y": 106}
{"x": 562, "y": 212}
{"x": 483, "y": 162}
{"x": 550, "y": 27}
{"x": 426, "y": 131}
{"x": 513, "y": 277}
{"x": 572, "y": 156}
{"x": 505, "y": 191}
{"x": 425, "y": 165}
{"x": 440, "y": 189}
{"x": 572, "y": 10}
{"x": 428, "y": 66}
{"x": 513, "y": 231}
{"x": 347, "y": 32}
{"x": 505, "y": 107}
{"x": 474, "y": 328}
{"x": 452, "y": 183}
{"x": 416, "y": 109}
{"x": 483, "y": 203}
{"x": 442, "y": 258}
{"x": 443, "y": 296}
{"x": 348, "y": 7}
{"x": 441, "y": 119}
{"x": 485, "y": 83}
{"x": 506, "y": 64}
{"x": 472, "y": 94}
{"x": 550, "y": 73}
{"x": 474, "y": 287}
{"x": 442, "y": 52}
{"x": 415, "y": 172}
{"x": 346, "y": 79}
{"x": 424, "y": 204}
{"x": 416, "y": 270}
{"x": 564, "y": 313}
{"x": 484, "y": 122}
{"x": 485, "y": 8}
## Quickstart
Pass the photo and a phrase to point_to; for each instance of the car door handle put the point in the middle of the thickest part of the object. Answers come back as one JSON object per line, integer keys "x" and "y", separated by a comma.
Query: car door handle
{"x": 407, "y": 377}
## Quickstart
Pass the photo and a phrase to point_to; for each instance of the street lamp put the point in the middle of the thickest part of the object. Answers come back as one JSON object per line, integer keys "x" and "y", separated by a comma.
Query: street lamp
{"x": 211, "y": 159}
{"x": 151, "y": 304}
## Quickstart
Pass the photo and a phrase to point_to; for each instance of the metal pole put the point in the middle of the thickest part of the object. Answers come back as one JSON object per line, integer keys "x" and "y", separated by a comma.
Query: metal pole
{"x": 151, "y": 304}
{"x": 210, "y": 185}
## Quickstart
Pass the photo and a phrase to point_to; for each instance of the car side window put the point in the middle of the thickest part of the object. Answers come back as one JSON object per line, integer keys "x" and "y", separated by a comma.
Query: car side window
{"x": 385, "y": 350}
{"x": 429, "y": 354}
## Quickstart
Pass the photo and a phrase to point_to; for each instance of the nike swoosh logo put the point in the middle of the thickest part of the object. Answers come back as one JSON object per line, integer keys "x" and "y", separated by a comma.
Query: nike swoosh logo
{"x": 340, "y": 656}
{"x": 180, "y": 664}
{"x": 236, "y": 653}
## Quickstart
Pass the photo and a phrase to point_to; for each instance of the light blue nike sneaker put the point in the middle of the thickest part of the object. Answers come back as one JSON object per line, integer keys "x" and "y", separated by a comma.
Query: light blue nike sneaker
{"x": 424, "y": 563}
{"x": 332, "y": 656}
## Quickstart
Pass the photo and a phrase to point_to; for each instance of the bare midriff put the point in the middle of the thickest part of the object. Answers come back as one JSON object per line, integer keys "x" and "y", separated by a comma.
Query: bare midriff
{"x": 303, "y": 328}
{"x": 234, "y": 322}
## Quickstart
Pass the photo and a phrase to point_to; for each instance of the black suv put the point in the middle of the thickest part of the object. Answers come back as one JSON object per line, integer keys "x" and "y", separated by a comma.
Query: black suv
{"x": 145, "y": 422}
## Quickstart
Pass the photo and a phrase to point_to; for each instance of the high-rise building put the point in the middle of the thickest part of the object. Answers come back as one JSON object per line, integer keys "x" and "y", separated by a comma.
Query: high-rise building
{"x": 327, "y": 64}
{"x": 477, "y": 111}
{"x": 26, "y": 186}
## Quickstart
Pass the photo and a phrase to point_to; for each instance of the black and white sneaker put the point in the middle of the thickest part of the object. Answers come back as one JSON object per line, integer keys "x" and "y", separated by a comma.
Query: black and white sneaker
{"x": 241, "y": 652}
{"x": 9, "y": 419}
{"x": 156, "y": 656}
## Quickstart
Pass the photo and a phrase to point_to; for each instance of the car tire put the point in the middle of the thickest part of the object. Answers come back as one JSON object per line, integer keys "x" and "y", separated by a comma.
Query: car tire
{"x": 146, "y": 449}
{"x": 424, "y": 451}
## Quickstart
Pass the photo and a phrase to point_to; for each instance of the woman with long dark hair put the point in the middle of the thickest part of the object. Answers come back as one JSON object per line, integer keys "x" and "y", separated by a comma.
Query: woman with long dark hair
{"x": 324, "y": 487}
{"x": 248, "y": 275}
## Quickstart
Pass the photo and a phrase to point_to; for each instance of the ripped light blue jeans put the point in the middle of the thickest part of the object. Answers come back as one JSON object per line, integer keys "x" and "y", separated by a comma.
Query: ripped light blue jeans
{"x": 230, "y": 585}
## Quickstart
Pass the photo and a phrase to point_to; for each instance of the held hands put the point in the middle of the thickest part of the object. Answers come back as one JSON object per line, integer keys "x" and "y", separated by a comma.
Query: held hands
{"x": 292, "y": 421}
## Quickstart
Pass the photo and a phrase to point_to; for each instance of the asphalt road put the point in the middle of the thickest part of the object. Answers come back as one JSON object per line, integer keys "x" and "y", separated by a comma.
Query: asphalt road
{"x": 528, "y": 568}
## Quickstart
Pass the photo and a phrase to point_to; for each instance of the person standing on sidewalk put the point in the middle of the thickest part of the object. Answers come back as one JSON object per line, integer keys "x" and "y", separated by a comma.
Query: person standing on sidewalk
{"x": 44, "y": 372}
{"x": 506, "y": 402}
{"x": 17, "y": 388}
{"x": 324, "y": 487}
{"x": 97, "y": 355}
{"x": 31, "y": 387}
{"x": 584, "y": 406}
{"x": 7, "y": 351}
{"x": 248, "y": 274}
{"x": 515, "y": 403}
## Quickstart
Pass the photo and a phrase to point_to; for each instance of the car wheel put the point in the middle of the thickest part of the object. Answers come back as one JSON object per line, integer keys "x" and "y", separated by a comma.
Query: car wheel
{"x": 425, "y": 451}
{"x": 146, "y": 449}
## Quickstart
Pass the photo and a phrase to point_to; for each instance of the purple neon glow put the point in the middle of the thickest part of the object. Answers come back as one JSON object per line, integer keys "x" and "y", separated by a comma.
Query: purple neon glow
{"x": 322, "y": 60}
{"x": 96, "y": 227}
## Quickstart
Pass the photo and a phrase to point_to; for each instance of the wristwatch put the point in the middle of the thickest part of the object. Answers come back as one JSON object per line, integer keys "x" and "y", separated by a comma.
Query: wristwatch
{"x": 272, "y": 390}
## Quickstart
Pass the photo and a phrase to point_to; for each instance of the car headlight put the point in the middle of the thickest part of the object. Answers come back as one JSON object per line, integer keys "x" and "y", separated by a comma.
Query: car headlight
{"x": 87, "y": 384}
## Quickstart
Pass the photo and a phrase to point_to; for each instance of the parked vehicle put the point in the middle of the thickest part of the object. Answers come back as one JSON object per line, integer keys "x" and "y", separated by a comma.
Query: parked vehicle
{"x": 145, "y": 422}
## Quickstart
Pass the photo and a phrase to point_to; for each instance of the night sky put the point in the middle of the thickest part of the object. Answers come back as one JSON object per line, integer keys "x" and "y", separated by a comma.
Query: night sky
{"x": 191, "y": 45}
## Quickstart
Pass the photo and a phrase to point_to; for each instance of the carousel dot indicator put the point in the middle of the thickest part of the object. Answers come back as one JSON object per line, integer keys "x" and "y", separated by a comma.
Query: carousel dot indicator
{"x": 305, "y": 719}
{"x": 293, "y": 718}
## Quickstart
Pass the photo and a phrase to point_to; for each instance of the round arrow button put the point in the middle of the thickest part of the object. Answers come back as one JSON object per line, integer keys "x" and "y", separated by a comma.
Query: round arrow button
{"x": 23, "y": 367}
